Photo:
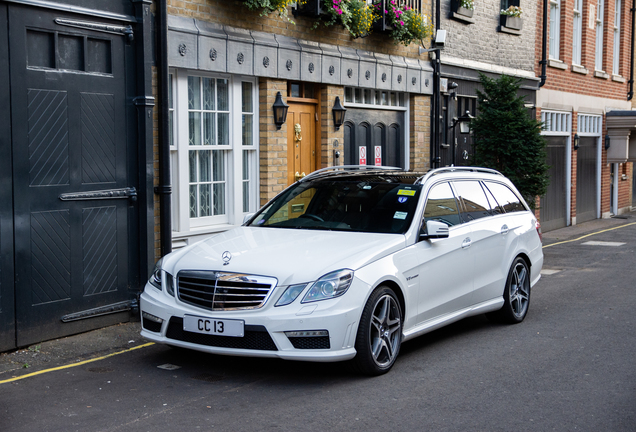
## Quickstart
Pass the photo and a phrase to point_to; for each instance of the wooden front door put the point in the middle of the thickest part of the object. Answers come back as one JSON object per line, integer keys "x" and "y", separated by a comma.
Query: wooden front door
{"x": 301, "y": 140}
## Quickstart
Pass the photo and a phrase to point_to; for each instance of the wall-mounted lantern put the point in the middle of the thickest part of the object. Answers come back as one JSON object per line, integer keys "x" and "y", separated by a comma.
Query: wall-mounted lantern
{"x": 338, "y": 113}
{"x": 280, "y": 111}
{"x": 576, "y": 141}
{"x": 464, "y": 122}
{"x": 607, "y": 142}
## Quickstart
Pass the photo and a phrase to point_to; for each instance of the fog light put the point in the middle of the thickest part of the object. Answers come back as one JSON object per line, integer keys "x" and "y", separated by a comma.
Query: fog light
{"x": 150, "y": 317}
{"x": 307, "y": 333}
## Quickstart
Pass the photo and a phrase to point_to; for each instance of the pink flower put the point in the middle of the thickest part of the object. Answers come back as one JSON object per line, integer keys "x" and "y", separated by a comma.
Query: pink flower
{"x": 339, "y": 11}
{"x": 392, "y": 2}
{"x": 401, "y": 23}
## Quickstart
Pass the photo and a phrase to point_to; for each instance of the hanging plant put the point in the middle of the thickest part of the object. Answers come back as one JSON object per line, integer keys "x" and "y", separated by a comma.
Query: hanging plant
{"x": 408, "y": 26}
{"x": 355, "y": 16}
{"x": 269, "y": 6}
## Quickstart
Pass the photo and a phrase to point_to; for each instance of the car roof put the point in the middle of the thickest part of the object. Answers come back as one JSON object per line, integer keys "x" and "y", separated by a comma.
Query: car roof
{"x": 396, "y": 174}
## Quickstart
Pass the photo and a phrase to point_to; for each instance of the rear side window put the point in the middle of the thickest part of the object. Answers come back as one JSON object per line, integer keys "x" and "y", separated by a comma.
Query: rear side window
{"x": 505, "y": 197}
{"x": 441, "y": 205}
{"x": 475, "y": 205}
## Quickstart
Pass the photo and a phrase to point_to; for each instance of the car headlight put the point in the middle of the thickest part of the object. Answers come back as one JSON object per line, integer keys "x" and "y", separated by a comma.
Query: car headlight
{"x": 290, "y": 294}
{"x": 155, "y": 279}
{"x": 329, "y": 286}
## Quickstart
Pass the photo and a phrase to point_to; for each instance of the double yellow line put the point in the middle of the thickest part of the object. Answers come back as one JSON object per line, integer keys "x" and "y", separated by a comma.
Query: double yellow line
{"x": 75, "y": 364}
{"x": 591, "y": 234}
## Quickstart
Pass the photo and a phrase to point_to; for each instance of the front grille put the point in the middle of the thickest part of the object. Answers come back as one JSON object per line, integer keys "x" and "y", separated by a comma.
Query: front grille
{"x": 217, "y": 291}
{"x": 316, "y": 342}
{"x": 256, "y": 337}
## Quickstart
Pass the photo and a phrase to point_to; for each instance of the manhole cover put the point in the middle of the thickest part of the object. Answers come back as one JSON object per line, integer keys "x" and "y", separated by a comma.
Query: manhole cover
{"x": 169, "y": 367}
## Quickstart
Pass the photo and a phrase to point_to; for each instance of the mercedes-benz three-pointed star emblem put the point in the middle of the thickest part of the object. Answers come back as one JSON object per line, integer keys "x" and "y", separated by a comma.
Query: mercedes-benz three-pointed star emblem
{"x": 227, "y": 256}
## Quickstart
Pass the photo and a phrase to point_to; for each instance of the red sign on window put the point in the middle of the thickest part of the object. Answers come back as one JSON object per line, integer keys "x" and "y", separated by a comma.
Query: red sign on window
{"x": 378, "y": 156}
{"x": 363, "y": 155}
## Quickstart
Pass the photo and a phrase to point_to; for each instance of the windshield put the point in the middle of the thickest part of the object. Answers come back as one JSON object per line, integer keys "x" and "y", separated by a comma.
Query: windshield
{"x": 375, "y": 205}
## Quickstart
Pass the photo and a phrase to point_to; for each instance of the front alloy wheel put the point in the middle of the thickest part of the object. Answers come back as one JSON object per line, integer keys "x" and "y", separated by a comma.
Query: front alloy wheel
{"x": 516, "y": 294}
{"x": 380, "y": 333}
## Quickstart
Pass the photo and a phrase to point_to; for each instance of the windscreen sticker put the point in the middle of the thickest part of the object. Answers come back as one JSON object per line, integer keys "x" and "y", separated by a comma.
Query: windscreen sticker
{"x": 400, "y": 215}
{"x": 406, "y": 192}
{"x": 402, "y": 199}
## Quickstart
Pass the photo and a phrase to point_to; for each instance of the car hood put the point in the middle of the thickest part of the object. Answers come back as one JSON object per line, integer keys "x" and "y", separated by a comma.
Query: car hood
{"x": 290, "y": 255}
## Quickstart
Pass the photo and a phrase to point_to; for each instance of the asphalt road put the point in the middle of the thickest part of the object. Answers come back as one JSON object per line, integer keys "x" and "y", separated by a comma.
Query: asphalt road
{"x": 571, "y": 365}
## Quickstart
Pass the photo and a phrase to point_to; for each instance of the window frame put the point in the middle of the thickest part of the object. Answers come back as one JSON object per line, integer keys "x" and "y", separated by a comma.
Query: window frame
{"x": 555, "y": 29}
{"x": 598, "y": 48}
{"x": 234, "y": 153}
{"x": 577, "y": 32}
{"x": 617, "y": 38}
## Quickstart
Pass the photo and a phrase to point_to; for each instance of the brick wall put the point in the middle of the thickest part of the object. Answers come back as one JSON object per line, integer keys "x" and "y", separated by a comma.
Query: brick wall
{"x": 483, "y": 42}
{"x": 586, "y": 83}
{"x": 273, "y": 142}
{"x": 420, "y": 127}
{"x": 328, "y": 132}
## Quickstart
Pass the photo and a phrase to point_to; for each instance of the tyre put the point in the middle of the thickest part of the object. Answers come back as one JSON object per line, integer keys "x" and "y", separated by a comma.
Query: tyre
{"x": 379, "y": 334}
{"x": 516, "y": 294}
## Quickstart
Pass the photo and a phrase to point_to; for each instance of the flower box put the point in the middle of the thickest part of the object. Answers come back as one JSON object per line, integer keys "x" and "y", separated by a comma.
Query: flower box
{"x": 382, "y": 24}
{"x": 312, "y": 8}
{"x": 458, "y": 9}
{"x": 515, "y": 23}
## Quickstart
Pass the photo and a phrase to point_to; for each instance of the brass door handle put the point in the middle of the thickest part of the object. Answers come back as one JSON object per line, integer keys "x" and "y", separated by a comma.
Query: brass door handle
{"x": 299, "y": 176}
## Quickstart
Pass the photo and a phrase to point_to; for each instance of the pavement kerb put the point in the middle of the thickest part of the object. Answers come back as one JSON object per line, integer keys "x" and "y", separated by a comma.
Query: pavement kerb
{"x": 588, "y": 235}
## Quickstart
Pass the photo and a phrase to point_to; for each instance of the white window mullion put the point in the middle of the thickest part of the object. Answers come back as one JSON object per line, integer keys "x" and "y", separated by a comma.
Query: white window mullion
{"x": 577, "y": 33}
{"x": 598, "y": 61}
{"x": 555, "y": 28}
{"x": 617, "y": 39}
{"x": 181, "y": 104}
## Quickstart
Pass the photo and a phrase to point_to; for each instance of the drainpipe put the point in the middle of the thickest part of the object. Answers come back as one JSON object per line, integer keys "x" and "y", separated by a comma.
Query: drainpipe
{"x": 544, "y": 45}
{"x": 437, "y": 66}
{"x": 164, "y": 190}
{"x": 630, "y": 93}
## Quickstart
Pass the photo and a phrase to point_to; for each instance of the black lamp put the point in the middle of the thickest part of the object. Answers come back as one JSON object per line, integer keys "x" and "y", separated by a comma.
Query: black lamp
{"x": 464, "y": 122}
{"x": 607, "y": 142}
{"x": 576, "y": 141}
{"x": 280, "y": 111}
{"x": 338, "y": 113}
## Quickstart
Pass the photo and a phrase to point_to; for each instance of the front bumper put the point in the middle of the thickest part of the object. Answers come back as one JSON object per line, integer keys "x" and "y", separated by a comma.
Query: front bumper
{"x": 264, "y": 328}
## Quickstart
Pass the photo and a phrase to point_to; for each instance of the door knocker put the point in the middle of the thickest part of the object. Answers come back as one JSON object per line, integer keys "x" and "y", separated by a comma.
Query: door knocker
{"x": 297, "y": 135}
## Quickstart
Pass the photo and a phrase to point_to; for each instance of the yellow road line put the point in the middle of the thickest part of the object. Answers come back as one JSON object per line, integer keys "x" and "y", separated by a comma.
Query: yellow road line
{"x": 75, "y": 364}
{"x": 591, "y": 234}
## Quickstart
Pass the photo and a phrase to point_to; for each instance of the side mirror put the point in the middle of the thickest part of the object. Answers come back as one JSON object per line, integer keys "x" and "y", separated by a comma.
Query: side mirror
{"x": 247, "y": 217}
{"x": 435, "y": 230}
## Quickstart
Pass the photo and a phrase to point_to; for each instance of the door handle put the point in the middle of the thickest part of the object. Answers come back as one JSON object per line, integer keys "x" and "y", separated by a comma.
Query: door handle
{"x": 466, "y": 243}
{"x": 505, "y": 229}
{"x": 129, "y": 192}
{"x": 299, "y": 176}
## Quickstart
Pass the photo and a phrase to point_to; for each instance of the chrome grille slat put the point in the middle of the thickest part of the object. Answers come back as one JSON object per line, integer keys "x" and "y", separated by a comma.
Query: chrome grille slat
{"x": 218, "y": 291}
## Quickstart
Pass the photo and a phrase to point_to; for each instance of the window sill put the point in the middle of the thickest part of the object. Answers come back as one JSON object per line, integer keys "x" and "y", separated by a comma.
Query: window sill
{"x": 618, "y": 78}
{"x": 580, "y": 70}
{"x": 504, "y": 29}
{"x": 462, "y": 18}
{"x": 558, "y": 64}
{"x": 210, "y": 229}
{"x": 601, "y": 74}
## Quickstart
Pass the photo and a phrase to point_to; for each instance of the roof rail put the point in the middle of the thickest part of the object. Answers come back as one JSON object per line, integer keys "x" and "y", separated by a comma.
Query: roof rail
{"x": 350, "y": 167}
{"x": 437, "y": 171}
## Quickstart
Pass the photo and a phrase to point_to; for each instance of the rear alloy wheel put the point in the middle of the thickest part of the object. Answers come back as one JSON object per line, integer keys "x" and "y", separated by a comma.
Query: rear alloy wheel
{"x": 380, "y": 333}
{"x": 516, "y": 295}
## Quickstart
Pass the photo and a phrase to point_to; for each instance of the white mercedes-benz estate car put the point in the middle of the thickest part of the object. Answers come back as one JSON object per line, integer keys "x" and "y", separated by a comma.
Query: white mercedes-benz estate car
{"x": 348, "y": 263}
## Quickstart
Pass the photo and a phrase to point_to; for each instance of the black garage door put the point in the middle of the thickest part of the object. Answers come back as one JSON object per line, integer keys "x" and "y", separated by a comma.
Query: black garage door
{"x": 586, "y": 179}
{"x": 375, "y": 137}
{"x": 553, "y": 203}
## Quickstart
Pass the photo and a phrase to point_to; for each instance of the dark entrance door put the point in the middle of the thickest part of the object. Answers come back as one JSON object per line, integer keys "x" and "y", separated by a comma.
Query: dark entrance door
{"x": 378, "y": 135}
{"x": 73, "y": 174}
{"x": 586, "y": 179}
{"x": 553, "y": 203}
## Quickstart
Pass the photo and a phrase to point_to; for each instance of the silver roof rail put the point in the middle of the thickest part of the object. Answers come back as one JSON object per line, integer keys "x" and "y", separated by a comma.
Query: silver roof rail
{"x": 437, "y": 171}
{"x": 350, "y": 167}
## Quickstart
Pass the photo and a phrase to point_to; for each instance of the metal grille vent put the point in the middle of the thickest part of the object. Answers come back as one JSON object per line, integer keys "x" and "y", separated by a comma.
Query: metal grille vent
{"x": 218, "y": 291}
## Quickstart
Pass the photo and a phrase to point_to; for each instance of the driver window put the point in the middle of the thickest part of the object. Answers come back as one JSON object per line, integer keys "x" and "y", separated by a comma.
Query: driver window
{"x": 441, "y": 205}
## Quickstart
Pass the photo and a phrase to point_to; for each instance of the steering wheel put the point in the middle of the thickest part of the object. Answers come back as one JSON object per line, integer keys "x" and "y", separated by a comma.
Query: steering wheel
{"x": 312, "y": 217}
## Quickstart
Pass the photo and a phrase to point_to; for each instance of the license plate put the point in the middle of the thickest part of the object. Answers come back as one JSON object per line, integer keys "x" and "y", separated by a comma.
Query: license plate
{"x": 215, "y": 326}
